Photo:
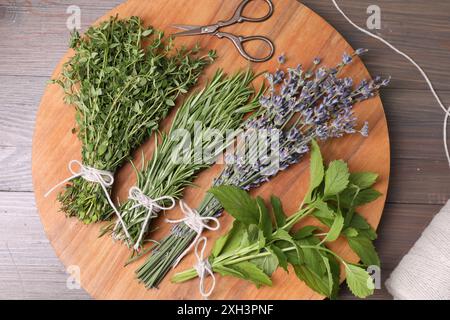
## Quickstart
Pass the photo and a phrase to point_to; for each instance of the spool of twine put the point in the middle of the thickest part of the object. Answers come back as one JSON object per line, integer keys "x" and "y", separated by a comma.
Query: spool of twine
{"x": 424, "y": 273}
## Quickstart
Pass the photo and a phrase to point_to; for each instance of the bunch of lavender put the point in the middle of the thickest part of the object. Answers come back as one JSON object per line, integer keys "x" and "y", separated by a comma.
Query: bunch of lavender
{"x": 301, "y": 105}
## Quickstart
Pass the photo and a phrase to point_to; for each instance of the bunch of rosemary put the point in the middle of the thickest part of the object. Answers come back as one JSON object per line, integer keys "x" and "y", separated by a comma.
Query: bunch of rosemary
{"x": 121, "y": 91}
{"x": 305, "y": 105}
{"x": 255, "y": 246}
{"x": 196, "y": 138}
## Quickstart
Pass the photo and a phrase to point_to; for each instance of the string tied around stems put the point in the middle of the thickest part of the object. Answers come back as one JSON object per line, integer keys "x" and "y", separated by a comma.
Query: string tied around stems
{"x": 104, "y": 178}
{"x": 152, "y": 205}
{"x": 203, "y": 268}
{"x": 195, "y": 222}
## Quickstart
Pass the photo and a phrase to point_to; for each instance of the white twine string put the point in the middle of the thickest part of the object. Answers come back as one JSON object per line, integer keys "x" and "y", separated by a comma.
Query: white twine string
{"x": 428, "y": 81}
{"x": 195, "y": 222}
{"x": 104, "y": 178}
{"x": 203, "y": 268}
{"x": 136, "y": 194}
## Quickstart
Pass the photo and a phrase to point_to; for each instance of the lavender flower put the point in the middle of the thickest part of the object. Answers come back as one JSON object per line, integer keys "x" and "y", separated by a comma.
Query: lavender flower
{"x": 347, "y": 59}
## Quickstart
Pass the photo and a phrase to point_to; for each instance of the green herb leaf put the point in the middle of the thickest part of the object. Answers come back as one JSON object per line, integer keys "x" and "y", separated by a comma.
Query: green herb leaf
{"x": 231, "y": 241}
{"x": 280, "y": 216}
{"x": 350, "y": 232}
{"x": 366, "y": 196}
{"x": 305, "y": 232}
{"x": 336, "y": 178}
{"x": 364, "y": 228}
{"x": 364, "y": 248}
{"x": 316, "y": 171}
{"x": 319, "y": 283}
{"x": 281, "y": 256}
{"x": 265, "y": 222}
{"x": 359, "y": 281}
{"x": 335, "y": 229}
{"x": 363, "y": 180}
{"x": 252, "y": 273}
{"x": 267, "y": 264}
{"x": 237, "y": 203}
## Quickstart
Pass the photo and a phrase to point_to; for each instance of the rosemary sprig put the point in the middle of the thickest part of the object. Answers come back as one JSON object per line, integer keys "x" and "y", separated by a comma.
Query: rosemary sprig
{"x": 305, "y": 106}
{"x": 121, "y": 91}
{"x": 205, "y": 120}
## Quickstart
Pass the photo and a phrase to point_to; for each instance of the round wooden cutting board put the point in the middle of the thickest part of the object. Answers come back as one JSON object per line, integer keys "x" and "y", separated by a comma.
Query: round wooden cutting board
{"x": 296, "y": 31}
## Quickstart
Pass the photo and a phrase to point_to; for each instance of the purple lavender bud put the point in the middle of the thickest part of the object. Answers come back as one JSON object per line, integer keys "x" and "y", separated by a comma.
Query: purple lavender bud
{"x": 316, "y": 61}
{"x": 347, "y": 59}
{"x": 386, "y": 82}
{"x": 361, "y": 51}
{"x": 321, "y": 73}
{"x": 278, "y": 76}
{"x": 365, "y": 130}
{"x": 282, "y": 59}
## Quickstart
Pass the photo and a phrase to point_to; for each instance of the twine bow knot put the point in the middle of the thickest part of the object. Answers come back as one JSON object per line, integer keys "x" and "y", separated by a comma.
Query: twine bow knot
{"x": 104, "y": 178}
{"x": 152, "y": 205}
{"x": 195, "y": 222}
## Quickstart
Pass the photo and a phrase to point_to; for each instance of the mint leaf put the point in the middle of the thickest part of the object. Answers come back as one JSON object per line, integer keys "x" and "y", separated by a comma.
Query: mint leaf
{"x": 323, "y": 212}
{"x": 226, "y": 271}
{"x": 364, "y": 228}
{"x": 231, "y": 241}
{"x": 359, "y": 281}
{"x": 251, "y": 273}
{"x": 282, "y": 259}
{"x": 316, "y": 171}
{"x": 366, "y": 196}
{"x": 318, "y": 283}
{"x": 265, "y": 222}
{"x": 305, "y": 232}
{"x": 237, "y": 203}
{"x": 252, "y": 235}
{"x": 267, "y": 264}
{"x": 363, "y": 180}
{"x": 280, "y": 216}
{"x": 336, "y": 178}
{"x": 335, "y": 229}
{"x": 312, "y": 257}
{"x": 335, "y": 268}
{"x": 350, "y": 232}
{"x": 283, "y": 235}
{"x": 365, "y": 249}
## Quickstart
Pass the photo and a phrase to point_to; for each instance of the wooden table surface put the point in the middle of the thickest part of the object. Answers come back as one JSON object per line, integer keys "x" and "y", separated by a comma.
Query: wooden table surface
{"x": 34, "y": 37}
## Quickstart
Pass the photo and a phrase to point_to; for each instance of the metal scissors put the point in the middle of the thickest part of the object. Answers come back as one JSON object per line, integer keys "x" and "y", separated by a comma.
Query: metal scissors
{"x": 238, "y": 41}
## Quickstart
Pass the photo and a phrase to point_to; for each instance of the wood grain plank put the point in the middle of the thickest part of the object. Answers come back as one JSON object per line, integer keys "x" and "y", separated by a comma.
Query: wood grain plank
{"x": 420, "y": 28}
{"x": 15, "y": 169}
{"x": 29, "y": 268}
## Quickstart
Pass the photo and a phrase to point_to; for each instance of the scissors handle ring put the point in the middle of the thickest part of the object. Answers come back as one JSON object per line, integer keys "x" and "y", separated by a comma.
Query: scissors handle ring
{"x": 239, "y": 17}
{"x": 239, "y": 41}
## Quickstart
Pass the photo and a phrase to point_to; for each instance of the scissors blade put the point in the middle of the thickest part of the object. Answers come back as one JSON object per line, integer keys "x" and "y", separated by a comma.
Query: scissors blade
{"x": 189, "y": 30}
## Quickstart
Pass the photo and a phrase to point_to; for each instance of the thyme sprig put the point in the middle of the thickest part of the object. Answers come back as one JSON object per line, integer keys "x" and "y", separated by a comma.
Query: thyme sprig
{"x": 121, "y": 91}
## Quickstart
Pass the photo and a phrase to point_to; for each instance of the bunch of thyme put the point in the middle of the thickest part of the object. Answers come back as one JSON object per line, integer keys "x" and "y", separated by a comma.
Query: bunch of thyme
{"x": 121, "y": 91}
{"x": 202, "y": 123}
{"x": 303, "y": 105}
